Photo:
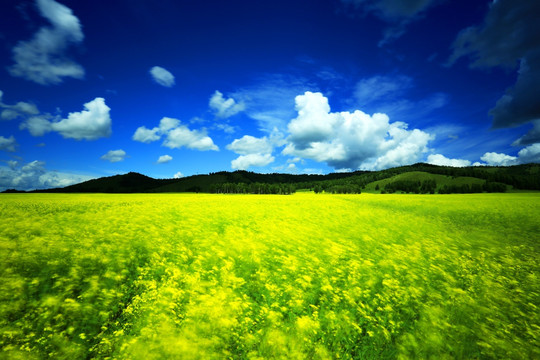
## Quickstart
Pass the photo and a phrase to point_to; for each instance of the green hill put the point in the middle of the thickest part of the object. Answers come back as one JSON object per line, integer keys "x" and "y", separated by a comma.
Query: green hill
{"x": 421, "y": 176}
{"x": 442, "y": 179}
{"x": 128, "y": 183}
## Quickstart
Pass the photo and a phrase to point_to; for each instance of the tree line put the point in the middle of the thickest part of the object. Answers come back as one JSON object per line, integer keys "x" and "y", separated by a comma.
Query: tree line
{"x": 430, "y": 186}
{"x": 410, "y": 186}
{"x": 488, "y": 186}
{"x": 253, "y": 188}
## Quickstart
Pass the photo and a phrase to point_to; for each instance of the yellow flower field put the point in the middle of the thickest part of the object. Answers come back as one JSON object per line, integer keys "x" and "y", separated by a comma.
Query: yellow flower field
{"x": 305, "y": 276}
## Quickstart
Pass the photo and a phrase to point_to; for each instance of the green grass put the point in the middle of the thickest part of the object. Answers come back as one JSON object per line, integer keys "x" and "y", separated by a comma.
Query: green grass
{"x": 196, "y": 276}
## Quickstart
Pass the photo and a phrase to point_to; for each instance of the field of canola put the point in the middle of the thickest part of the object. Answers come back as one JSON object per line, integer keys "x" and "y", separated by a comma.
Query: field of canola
{"x": 305, "y": 276}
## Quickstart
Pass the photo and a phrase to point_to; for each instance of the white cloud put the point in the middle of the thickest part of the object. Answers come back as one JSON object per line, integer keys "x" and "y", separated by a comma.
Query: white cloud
{"x": 294, "y": 160}
{"x": 20, "y": 109}
{"x": 34, "y": 175}
{"x": 251, "y": 145}
{"x": 314, "y": 122}
{"x": 144, "y": 135}
{"x": 164, "y": 159}
{"x": 25, "y": 108}
{"x": 42, "y": 59}
{"x": 351, "y": 140}
{"x": 8, "y": 144}
{"x": 243, "y": 162}
{"x": 90, "y": 124}
{"x": 253, "y": 151}
{"x": 114, "y": 156}
{"x": 497, "y": 159}
{"x": 162, "y": 76}
{"x": 225, "y": 128}
{"x": 530, "y": 154}
{"x": 441, "y": 160}
{"x": 37, "y": 125}
{"x": 9, "y": 114}
{"x": 224, "y": 108}
{"x": 192, "y": 139}
{"x": 12, "y": 164}
{"x": 167, "y": 124}
{"x": 178, "y": 175}
{"x": 176, "y": 136}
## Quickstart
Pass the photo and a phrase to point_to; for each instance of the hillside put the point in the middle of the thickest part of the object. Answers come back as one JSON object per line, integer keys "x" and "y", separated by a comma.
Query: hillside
{"x": 128, "y": 183}
{"x": 440, "y": 180}
{"x": 430, "y": 177}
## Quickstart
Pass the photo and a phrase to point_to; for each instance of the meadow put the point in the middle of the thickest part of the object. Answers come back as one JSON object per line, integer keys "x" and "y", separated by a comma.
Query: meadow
{"x": 303, "y": 276}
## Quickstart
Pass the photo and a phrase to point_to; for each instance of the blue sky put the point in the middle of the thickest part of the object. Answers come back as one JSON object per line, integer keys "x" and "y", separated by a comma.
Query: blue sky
{"x": 181, "y": 87}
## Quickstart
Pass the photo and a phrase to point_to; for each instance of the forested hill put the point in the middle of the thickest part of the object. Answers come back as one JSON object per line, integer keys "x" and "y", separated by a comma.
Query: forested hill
{"x": 418, "y": 178}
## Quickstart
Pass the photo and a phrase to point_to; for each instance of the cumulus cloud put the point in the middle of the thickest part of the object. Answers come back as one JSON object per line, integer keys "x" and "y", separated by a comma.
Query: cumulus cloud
{"x": 144, "y": 135}
{"x": 497, "y": 159}
{"x": 90, "y": 124}
{"x": 34, "y": 175}
{"x": 250, "y": 145}
{"x": 176, "y": 136}
{"x": 162, "y": 76}
{"x": 8, "y": 144}
{"x": 43, "y": 58}
{"x": 508, "y": 35}
{"x": 529, "y": 154}
{"x": 164, "y": 159}
{"x": 441, "y": 160}
{"x": 243, "y": 162}
{"x": 253, "y": 151}
{"x": 399, "y": 13}
{"x": 114, "y": 156}
{"x": 224, "y": 108}
{"x": 182, "y": 136}
{"x": 351, "y": 140}
{"x": 178, "y": 175}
